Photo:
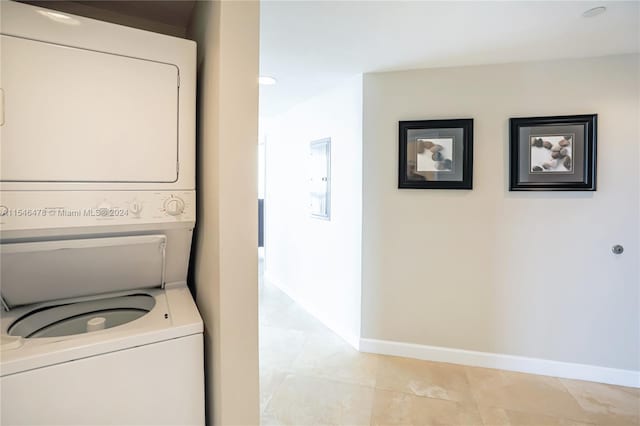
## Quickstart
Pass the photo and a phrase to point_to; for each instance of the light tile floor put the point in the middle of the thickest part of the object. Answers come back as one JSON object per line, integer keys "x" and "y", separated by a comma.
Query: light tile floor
{"x": 309, "y": 376}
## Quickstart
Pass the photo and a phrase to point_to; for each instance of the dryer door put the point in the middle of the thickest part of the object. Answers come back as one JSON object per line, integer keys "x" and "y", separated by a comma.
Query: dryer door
{"x": 76, "y": 115}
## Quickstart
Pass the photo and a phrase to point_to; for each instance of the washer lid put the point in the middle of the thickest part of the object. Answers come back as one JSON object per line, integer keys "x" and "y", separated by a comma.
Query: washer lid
{"x": 51, "y": 270}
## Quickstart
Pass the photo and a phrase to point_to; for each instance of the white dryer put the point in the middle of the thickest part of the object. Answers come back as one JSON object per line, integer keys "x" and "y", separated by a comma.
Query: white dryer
{"x": 97, "y": 209}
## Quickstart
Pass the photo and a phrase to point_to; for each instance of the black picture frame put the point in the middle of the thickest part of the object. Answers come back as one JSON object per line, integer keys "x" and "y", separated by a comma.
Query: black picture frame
{"x": 570, "y": 143}
{"x": 456, "y": 139}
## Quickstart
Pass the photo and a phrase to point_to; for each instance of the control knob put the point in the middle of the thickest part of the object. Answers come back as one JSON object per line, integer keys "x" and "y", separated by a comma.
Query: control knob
{"x": 174, "y": 206}
{"x": 135, "y": 208}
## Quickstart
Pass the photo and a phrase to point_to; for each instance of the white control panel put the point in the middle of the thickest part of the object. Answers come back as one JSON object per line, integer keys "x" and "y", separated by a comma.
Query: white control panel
{"x": 22, "y": 210}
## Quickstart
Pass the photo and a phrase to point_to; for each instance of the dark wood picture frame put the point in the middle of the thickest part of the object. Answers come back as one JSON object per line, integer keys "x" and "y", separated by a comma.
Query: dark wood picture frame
{"x": 541, "y": 179}
{"x": 462, "y": 164}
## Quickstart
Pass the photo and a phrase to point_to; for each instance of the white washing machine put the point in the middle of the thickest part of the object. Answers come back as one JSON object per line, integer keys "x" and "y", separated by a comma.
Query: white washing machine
{"x": 97, "y": 209}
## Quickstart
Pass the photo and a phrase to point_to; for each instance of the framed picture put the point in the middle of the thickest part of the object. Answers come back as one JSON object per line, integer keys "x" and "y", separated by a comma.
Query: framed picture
{"x": 436, "y": 154}
{"x": 553, "y": 153}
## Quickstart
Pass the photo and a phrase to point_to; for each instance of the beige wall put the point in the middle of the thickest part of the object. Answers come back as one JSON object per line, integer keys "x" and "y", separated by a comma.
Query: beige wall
{"x": 226, "y": 243}
{"x": 527, "y": 273}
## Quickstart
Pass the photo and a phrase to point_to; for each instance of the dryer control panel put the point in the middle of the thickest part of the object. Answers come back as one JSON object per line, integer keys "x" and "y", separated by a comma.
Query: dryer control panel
{"x": 25, "y": 210}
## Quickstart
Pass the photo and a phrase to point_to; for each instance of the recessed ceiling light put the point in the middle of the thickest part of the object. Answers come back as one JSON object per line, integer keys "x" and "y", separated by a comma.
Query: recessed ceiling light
{"x": 265, "y": 80}
{"x": 594, "y": 12}
{"x": 59, "y": 17}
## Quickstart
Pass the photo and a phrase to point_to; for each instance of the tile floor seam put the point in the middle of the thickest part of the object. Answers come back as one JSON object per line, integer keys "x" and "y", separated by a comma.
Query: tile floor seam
{"x": 333, "y": 380}
{"x": 473, "y": 395}
{"x": 473, "y": 403}
{"x": 264, "y": 410}
{"x": 280, "y": 382}
{"x": 564, "y": 386}
{"x": 297, "y": 357}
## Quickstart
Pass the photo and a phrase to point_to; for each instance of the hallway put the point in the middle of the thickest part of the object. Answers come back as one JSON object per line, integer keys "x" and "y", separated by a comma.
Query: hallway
{"x": 309, "y": 376}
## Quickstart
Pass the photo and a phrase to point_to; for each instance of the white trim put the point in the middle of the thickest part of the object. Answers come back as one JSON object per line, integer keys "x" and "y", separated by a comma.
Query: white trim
{"x": 348, "y": 337}
{"x": 543, "y": 367}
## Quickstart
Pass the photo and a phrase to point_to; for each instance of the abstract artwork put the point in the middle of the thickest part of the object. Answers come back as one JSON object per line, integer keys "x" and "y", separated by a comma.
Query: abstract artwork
{"x": 553, "y": 153}
{"x": 436, "y": 154}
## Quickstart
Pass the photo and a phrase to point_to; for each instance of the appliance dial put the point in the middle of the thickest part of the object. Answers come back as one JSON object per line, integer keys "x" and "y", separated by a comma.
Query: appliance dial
{"x": 174, "y": 206}
{"x": 135, "y": 208}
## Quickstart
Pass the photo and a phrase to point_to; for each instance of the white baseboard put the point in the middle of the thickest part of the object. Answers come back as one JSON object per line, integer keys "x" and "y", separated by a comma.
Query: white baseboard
{"x": 349, "y": 338}
{"x": 543, "y": 367}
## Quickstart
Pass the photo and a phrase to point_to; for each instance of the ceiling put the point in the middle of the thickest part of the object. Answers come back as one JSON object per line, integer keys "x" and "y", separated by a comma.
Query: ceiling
{"x": 311, "y": 46}
{"x": 162, "y": 16}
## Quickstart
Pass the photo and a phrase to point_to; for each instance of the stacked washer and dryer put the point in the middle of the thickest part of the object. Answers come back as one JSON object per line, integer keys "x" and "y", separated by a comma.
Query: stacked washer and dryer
{"x": 97, "y": 209}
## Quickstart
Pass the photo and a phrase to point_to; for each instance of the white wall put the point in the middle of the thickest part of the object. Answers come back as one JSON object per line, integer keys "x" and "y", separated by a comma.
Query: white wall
{"x": 226, "y": 275}
{"x": 317, "y": 262}
{"x": 529, "y": 273}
